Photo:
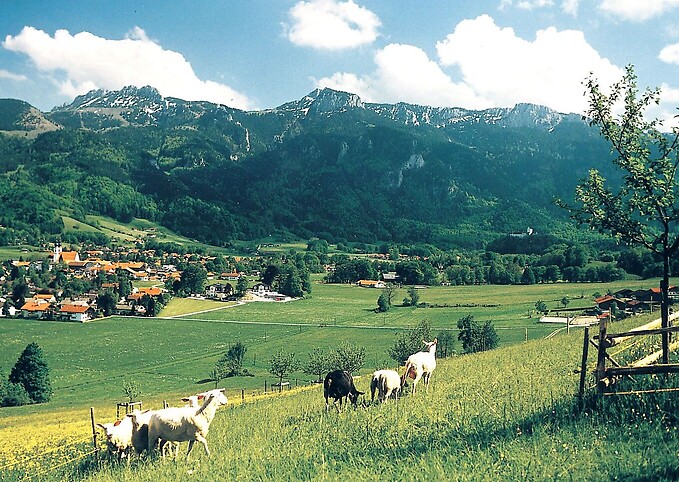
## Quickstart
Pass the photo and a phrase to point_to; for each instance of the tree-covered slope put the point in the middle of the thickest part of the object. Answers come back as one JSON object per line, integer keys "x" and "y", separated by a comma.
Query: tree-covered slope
{"x": 326, "y": 164}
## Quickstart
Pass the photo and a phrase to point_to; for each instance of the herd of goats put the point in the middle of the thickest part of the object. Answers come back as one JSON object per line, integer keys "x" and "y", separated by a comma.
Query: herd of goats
{"x": 164, "y": 429}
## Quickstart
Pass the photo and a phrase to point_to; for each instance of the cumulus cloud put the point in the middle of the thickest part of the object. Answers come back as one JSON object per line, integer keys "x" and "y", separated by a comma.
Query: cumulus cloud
{"x": 6, "y": 74}
{"x": 481, "y": 65}
{"x": 549, "y": 70}
{"x": 81, "y": 62}
{"x": 637, "y": 10}
{"x": 670, "y": 54}
{"x": 405, "y": 74}
{"x": 331, "y": 25}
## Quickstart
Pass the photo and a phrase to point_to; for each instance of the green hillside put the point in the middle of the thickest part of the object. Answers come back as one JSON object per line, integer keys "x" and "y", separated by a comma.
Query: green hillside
{"x": 316, "y": 167}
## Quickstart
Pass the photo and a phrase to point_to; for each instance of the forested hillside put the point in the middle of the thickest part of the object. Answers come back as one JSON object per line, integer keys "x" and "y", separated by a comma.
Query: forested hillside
{"x": 327, "y": 165}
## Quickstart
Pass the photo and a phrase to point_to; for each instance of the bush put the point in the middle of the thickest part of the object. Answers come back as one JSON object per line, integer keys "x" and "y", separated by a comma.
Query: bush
{"x": 13, "y": 394}
{"x": 32, "y": 372}
{"x": 475, "y": 336}
{"x": 410, "y": 342}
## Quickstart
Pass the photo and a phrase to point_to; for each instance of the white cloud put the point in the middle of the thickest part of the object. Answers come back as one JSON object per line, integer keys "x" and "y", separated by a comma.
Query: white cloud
{"x": 570, "y": 7}
{"x": 670, "y": 54}
{"x": 499, "y": 65}
{"x": 405, "y": 74}
{"x": 525, "y": 4}
{"x": 84, "y": 61}
{"x": 667, "y": 111}
{"x": 482, "y": 65}
{"x": 6, "y": 74}
{"x": 332, "y": 25}
{"x": 637, "y": 10}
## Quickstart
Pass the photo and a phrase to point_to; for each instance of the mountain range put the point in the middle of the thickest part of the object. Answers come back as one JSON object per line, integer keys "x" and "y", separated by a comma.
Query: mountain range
{"x": 327, "y": 165}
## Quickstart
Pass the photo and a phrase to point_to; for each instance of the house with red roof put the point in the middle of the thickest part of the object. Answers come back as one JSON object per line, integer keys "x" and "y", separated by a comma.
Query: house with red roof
{"x": 36, "y": 309}
{"x": 79, "y": 313}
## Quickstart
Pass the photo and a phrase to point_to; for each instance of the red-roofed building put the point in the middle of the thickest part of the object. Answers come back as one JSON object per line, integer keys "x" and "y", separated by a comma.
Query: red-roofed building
{"x": 36, "y": 309}
{"x": 79, "y": 313}
{"x": 151, "y": 291}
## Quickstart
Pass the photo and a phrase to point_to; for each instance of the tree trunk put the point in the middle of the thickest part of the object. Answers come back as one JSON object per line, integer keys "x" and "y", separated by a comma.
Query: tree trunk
{"x": 665, "y": 308}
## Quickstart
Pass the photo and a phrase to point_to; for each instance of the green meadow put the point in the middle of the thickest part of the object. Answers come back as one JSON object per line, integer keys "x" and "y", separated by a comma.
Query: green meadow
{"x": 168, "y": 355}
{"x": 507, "y": 414}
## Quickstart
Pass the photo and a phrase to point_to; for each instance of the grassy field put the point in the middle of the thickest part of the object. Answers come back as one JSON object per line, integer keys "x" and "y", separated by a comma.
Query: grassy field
{"x": 172, "y": 357}
{"x": 508, "y": 414}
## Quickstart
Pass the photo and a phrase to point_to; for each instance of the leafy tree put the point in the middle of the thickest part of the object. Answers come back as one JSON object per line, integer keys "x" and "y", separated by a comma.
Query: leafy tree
{"x": 410, "y": 342}
{"x": 389, "y": 291}
{"x": 241, "y": 286}
{"x": 193, "y": 279}
{"x": 12, "y": 394}
{"x": 413, "y": 297}
{"x": 281, "y": 364}
{"x": 19, "y": 292}
{"x": 348, "y": 357}
{"x": 318, "y": 246}
{"x": 319, "y": 363}
{"x": 528, "y": 276}
{"x": 231, "y": 363}
{"x": 445, "y": 343}
{"x": 541, "y": 306}
{"x": 565, "y": 301}
{"x": 107, "y": 302}
{"x": 217, "y": 374}
{"x": 475, "y": 336}
{"x": 6, "y": 307}
{"x": 383, "y": 304}
{"x": 32, "y": 372}
{"x": 131, "y": 390}
{"x": 270, "y": 274}
{"x": 291, "y": 281}
{"x": 644, "y": 209}
{"x": 124, "y": 285}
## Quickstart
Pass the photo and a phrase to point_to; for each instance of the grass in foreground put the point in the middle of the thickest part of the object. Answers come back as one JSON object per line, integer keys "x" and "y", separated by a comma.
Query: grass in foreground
{"x": 508, "y": 414}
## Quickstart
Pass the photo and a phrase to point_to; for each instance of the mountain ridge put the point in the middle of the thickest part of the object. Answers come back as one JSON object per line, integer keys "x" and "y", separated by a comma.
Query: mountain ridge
{"x": 327, "y": 163}
{"x": 322, "y": 101}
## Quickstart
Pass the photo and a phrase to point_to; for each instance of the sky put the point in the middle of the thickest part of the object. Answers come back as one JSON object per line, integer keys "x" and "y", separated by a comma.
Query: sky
{"x": 259, "y": 54}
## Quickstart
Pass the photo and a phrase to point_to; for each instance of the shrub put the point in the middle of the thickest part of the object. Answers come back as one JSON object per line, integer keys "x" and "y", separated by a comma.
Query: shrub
{"x": 32, "y": 372}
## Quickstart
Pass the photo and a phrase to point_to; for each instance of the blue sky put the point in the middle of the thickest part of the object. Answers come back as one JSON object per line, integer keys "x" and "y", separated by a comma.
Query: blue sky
{"x": 257, "y": 54}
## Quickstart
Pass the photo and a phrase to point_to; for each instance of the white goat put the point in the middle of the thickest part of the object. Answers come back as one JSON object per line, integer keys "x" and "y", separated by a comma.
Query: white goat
{"x": 386, "y": 382}
{"x": 186, "y": 423}
{"x": 140, "y": 428}
{"x": 421, "y": 365}
{"x": 118, "y": 436}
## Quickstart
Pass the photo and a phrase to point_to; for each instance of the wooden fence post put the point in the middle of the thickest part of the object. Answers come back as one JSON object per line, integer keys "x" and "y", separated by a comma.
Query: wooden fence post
{"x": 94, "y": 436}
{"x": 583, "y": 365}
{"x": 242, "y": 394}
{"x": 601, "y": 356}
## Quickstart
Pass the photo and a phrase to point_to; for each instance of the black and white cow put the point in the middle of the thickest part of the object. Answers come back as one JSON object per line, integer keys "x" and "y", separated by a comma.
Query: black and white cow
{"x": 339, "y": 385}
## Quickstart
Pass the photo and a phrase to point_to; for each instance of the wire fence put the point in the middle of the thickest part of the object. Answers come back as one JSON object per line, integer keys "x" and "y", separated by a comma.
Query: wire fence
{"x": 56, "y": 462}
{"x": 37, "y": 464}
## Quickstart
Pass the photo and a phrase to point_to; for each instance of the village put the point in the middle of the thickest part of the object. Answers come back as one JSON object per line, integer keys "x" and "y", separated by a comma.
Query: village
{"x": 104, "y": 282}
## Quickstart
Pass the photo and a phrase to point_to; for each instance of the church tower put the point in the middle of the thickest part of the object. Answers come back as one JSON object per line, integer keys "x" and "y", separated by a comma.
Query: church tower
{"x": 57, "y": 253}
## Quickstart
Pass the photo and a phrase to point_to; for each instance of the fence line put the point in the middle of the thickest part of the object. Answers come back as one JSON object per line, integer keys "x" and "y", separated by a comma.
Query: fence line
{"x": 54, "y": 467}
{"x": 42, "y": 453}
{"x": 606, "y": 377}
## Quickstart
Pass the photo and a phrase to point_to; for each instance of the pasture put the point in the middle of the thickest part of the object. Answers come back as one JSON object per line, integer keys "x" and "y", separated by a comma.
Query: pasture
{"x": 483, "y": 403}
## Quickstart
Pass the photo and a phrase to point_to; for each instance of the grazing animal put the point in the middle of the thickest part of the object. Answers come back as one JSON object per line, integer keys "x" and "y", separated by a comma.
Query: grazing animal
{"x": 118, "y": 436}
{"x": 140, "y": 427}
{"x": 181, "y": 424}
{"x": 385, "y": 382}
{"x": 339, "y": 385}
{"x": 421, "y": 365}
